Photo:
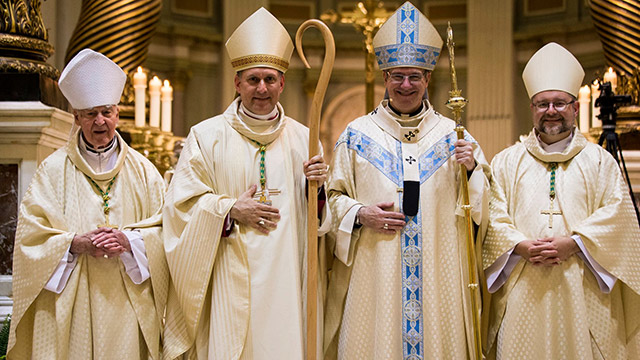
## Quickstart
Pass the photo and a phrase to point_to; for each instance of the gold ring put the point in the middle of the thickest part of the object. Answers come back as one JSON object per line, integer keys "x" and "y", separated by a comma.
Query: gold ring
{"x": 261, "y": 222}
{"x": 386, "y": 226}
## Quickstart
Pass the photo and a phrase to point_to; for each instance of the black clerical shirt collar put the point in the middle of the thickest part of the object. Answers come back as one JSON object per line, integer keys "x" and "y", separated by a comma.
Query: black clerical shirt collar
{"x": 416, "y": 112}
{"x": 90, "y": 148}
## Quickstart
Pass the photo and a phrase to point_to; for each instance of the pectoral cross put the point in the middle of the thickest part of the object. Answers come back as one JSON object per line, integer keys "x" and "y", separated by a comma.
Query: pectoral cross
{"x": 550, "y": 213}
{"x": 106, "y": 221}
{"x": 263, "y": 196}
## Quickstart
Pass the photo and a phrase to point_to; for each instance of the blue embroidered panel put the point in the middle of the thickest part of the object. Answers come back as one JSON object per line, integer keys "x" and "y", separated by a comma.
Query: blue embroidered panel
{"x": 411, "y": 237}
{"x": 438, "y": 154}
{"x": 412, "y": 316}
{"x": 388, "y": 164}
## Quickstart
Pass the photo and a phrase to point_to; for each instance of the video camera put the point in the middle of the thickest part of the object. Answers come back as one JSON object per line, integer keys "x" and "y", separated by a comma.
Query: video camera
{"x": 608, "y": 102}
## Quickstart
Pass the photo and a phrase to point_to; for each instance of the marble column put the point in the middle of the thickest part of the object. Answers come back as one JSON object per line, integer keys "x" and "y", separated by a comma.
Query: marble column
{"x": 491, "y": 74}
{"x": 235, "y": 12}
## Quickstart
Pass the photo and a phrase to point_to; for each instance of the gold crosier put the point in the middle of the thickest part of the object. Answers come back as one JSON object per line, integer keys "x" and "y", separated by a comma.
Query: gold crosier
{"x": 312, "y": 190}
{"x": 456, "y": 102}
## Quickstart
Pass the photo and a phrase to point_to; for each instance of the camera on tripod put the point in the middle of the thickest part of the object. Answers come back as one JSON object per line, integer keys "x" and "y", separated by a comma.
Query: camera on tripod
{"x": 608, "y": 102}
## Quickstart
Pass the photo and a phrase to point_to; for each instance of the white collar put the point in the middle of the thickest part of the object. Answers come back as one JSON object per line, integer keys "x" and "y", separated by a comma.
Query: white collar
{"x": 557, "y": 146}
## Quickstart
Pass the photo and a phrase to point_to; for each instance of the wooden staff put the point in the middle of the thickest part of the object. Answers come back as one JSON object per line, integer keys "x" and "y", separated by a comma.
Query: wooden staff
{"x": 312, "y": 195}
{"x": 456, "y": 102}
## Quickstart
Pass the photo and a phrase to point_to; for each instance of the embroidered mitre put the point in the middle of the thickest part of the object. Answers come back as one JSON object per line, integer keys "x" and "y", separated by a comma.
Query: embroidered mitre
{"x": 407, "y": 39}
{"x": 260, "y": 41}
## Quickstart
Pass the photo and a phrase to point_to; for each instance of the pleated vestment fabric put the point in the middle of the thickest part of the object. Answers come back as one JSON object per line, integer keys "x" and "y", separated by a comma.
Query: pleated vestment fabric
{"x": 241, "y": 296}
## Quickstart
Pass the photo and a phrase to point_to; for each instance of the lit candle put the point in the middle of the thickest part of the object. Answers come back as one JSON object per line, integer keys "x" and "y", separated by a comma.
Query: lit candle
{"x": 584, "y": 98}
{"x": 140, "y": 86}
{"x": 167, "y": 97}
{"x": 154, "y": 102}
{"x": 595, "y": 111}
{"x": 610, "y": 76}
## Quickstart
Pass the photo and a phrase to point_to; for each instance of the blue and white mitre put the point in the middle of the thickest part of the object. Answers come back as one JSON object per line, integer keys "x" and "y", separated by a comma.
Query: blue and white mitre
{"x": 407, "y": 39}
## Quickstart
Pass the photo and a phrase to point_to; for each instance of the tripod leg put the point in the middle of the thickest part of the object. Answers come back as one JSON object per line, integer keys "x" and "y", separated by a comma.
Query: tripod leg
{"x": 626, "y": 176}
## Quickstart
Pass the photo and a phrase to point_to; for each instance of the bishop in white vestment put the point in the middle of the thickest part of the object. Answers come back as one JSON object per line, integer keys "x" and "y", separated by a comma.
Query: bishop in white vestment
{"x": 563, "y": 243}
{"x": 90, "y": 277}
{"x": 235, "y": 215}
{"x": 398, "y": 287}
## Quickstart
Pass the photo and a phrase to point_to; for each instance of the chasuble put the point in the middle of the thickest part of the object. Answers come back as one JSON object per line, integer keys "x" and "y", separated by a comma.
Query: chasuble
{"x": 101, "y": 313}
{"x": 577, "y": 309}
{"x": 241, "y": 296}
{"x": 400, "y": 296}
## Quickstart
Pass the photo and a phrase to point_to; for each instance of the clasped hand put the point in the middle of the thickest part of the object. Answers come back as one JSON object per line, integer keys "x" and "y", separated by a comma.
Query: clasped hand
{"x": 101, "y": 242}
{"x": 379, "y": 218}
{"x": 547, "y": 251}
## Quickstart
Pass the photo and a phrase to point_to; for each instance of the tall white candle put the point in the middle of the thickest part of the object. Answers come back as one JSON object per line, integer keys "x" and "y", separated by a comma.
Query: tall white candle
{"x": 140, "y": 86}
{"x": 595, "y": 111}
{"x": 154, "y": 102}
{"x": 610, "y": 76}
{"x": 584, "y": 97}
{"x": 167, "y": 97}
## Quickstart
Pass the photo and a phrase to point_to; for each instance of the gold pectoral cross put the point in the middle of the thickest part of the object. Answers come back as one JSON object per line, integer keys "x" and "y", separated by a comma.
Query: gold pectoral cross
{"x": 263, "y": 196}
{"x": 106, "y": 222}
{"x": 550, "y": 213}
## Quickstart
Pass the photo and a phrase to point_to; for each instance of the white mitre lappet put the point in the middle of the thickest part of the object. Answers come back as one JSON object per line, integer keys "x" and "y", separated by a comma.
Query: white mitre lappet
{"x": 553, "y": 68}
{"x": 91, "y": 79}
{"x": 260, "y": 41}
{"x": 407, "y": 39}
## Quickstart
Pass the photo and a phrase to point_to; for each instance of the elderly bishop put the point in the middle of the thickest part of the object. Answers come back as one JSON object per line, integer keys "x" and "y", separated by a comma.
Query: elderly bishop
{"x": 90, "y": 276}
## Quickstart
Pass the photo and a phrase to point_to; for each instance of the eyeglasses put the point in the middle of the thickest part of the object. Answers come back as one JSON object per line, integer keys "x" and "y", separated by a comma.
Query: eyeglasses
{"x": 558, "y": 105}
{"x": 399, "y": 78}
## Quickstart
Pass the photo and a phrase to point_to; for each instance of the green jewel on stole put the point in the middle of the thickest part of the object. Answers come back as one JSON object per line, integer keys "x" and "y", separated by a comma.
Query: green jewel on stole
{"x": 552, "y": 195}
{"x": 105, "y": 201}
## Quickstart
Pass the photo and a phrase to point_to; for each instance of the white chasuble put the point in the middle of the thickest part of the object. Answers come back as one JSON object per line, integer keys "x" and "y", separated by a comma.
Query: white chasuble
{"x": 241, "y": 296}
{"x": 560, "y": 312}
{"x": 100, "y": 313}
{"x": 400, "y": 296}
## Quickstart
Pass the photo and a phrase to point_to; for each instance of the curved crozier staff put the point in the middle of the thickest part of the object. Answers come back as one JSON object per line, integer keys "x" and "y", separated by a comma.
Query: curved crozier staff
{"x": 456, "y": 102}
{"x": 312, "y": 195}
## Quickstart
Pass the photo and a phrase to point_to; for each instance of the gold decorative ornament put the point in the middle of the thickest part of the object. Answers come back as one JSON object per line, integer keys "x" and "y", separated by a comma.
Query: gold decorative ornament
{"x": 366, "y": 17}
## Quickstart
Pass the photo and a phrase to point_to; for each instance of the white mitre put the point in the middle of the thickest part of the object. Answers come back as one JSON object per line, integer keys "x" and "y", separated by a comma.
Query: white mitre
{"x": 553, "y": 68}
{"x": 407, "y": 39}
{"x": 260, "y": 41}
{"x": 91, "y": 79}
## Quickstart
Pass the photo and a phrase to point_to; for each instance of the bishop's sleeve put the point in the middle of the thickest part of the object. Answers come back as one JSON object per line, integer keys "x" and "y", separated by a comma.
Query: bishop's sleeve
{"x": 193, "y": 219}
{"x": 342, "y": 194}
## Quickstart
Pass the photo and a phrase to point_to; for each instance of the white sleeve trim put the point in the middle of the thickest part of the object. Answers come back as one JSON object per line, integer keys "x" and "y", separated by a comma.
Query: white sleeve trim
{"x": 343, "y": 238}
{"x": 498, "y": 273}
{"x": 605, "y": 279}
{"x": 61, "y": 274}
{"x": 135, "y": 262}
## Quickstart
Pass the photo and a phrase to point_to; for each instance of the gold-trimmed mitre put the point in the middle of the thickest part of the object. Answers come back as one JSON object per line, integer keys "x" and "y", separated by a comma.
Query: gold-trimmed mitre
{"x": 553, "y": 68}
{"x": 407, "y": 39}
{"x": 260, "y": 41}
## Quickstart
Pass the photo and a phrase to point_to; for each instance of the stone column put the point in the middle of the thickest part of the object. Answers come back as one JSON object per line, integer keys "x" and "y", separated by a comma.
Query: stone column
{"x": 234, "y": 13}
{"x": 491, "y": 74}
